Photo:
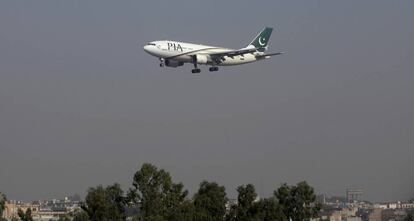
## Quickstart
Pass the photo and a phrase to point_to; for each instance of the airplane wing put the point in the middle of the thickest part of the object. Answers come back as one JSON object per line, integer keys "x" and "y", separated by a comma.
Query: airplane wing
{"x": 219, "y": 56}
{"x": 233, "y": 53}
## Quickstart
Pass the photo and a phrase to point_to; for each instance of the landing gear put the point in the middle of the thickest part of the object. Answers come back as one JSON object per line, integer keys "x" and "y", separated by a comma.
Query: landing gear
{"x": 214, "y": 68}
{"x": 162, "y": 62}
{"x": 196, "y": 69}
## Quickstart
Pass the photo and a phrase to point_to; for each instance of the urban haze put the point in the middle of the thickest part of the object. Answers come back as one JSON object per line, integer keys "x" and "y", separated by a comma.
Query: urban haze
{"x": 82, "y": 104}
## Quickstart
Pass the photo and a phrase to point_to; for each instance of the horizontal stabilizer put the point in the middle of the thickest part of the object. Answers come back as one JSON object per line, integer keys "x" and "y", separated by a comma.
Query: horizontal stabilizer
{"x": 270, "y": 54}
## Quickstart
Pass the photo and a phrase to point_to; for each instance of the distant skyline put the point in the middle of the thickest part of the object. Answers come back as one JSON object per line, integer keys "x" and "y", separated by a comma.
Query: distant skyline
{"x": 81, "y": 104}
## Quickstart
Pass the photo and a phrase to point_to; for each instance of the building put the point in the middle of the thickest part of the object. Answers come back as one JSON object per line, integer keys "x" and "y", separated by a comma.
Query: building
{"x": 354, "y": 195}
{"x": 11, "y": 209}
{"x": 41, "y": 210}
{"x": 393, "y": 215}
{"x": 375, "y": 215}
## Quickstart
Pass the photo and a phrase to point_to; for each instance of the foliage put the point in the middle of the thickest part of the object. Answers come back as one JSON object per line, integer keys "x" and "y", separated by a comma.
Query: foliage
{"x": 269, "y": 210}
{"x": 250, "y": 209}
{"x": 2, "y": 203}
{"x": 185, "y": 212}
{"x": 25, "y": 216}
{"x": 245, "y": 208}
{"x": 210, "y": 202}
{"x": 105, "y": 204}
{"x": 81, "y": 216}
{"x": 298, "y": 202}
{"x": 409, "y": 218}
{"x": 156, "y": 194}
{"x": 64, "y": 218}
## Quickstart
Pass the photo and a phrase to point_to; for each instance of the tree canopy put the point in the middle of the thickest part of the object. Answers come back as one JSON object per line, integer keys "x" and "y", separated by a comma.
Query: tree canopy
{"x": 104, "y": 204}
{"x": 2, "y": 203}
{"x": 250, "y": 208}
{"x": 158, "y": 197}
{"x": 25, "y": 216}
{"x": 210, "y": 202}
{"x": 409, "y": 217}
{"x": 298, "y": 202}
{"x": 80, "y": 216}
{"x": 155, "y": 197}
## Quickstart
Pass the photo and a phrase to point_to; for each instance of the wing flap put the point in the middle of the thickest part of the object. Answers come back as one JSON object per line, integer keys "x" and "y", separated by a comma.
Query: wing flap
{"x": 234, "y": 53}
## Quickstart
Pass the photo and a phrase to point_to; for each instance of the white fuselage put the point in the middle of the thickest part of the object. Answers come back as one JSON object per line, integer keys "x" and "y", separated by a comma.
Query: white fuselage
{"x": 184, "y": 52}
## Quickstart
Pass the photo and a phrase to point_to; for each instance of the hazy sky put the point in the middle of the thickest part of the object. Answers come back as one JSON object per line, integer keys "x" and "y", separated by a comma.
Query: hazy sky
{"x": 82, "y": 104}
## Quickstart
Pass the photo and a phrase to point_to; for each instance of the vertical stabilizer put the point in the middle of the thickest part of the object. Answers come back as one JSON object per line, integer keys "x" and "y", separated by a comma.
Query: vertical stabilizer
{"x": 261, "y": 40}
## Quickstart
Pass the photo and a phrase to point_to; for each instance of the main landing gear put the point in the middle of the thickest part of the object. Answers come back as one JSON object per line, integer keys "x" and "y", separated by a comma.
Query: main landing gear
{"x": 162, "y": 62}
{"x": 196, "y": 70}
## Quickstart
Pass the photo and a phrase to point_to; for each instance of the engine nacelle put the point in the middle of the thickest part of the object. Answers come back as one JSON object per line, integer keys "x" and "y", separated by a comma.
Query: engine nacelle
{"x": 202, "y": 59}
{"x": 173, "y": 63}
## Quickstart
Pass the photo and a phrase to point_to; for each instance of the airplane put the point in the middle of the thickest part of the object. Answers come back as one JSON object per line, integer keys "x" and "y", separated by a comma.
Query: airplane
{"x": 175, "y": 54}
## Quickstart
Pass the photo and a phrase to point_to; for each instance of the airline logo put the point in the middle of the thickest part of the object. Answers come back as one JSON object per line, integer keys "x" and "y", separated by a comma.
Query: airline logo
{"x": 174, "y": 47}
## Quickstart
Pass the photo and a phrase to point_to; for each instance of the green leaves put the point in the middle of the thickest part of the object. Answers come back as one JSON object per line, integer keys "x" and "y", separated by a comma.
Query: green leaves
{"x": 409, "y": 218}
{"x": 80, "y": 216}
{"x": 245, "y": 209}
{"x": 155, "y": 193}
{"x": 210, "y": 202}
{"x": 160, "y": 199}
{"x": 105, "y": 204}
{"x": 298, "y": 202}
{"x": 2, "y": 203}
{"x": 249, "y": 208}
{"x": 25, "y": 216}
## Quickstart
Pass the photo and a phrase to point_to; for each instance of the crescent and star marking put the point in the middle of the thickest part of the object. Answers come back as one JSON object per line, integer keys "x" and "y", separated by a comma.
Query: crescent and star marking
{"x": 260, "y": 41}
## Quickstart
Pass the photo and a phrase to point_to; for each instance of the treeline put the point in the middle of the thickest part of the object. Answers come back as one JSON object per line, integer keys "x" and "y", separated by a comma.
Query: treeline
{"x": 158, "y": 198}
{"x": 155, "y": 197}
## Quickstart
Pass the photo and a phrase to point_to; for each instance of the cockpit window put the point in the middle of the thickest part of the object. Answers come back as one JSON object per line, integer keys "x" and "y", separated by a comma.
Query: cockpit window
{"x": 151, "y": 44}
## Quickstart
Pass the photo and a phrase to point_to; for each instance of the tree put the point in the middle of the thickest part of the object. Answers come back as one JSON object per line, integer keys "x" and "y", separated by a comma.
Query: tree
{"x": 250, "y": 209}
{"x": 2, "y": 204}
{"x": 81, "y": 216}
{"x": 156, "y": 194}
{"x": 210, "y": 202}
{"x": 244, "y": 210}
{"x": 409, "y": 218}
{"x": 269, "y": 210}
{"x": 64, "y": 218}
{"x": 105, "y": 204}
{"x": 25, "y": 216}
{"x": 185, "y": 212}
{"x": 298, "y": 202}
{"x": 245, "y": 202}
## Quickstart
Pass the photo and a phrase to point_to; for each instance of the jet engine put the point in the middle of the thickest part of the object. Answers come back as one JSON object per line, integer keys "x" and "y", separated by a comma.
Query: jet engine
{"x": 202, "y": 59}
{"x": 173, "y": 63}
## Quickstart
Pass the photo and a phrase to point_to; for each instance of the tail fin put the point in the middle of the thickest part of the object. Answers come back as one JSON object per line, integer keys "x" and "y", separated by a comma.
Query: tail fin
{"x": 261, "y": 40}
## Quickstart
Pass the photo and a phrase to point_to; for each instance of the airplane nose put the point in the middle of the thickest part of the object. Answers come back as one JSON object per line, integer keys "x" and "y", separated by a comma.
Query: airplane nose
{"x": 146, "y": 48}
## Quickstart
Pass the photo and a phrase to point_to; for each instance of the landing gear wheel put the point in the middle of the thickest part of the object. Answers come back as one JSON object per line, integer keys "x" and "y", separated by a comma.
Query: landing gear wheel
{"x": 161, "y": 64}
{"x": 213, "y": 69}
{"x": 195, "y": 71}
